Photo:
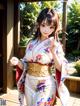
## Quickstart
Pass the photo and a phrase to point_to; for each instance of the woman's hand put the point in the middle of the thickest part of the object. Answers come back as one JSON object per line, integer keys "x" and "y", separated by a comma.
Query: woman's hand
{"x": 14, "y": 61}
{"x": 54, "y": 44}
{"x": 54, "y": 48}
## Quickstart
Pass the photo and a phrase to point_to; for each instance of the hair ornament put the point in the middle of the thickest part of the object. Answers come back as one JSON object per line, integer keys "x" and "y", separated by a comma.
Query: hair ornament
{"x": 49, "y": 12}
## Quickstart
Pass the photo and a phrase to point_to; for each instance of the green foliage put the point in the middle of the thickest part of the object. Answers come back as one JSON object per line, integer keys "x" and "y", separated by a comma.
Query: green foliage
{"x": 29, "y": 12}
{"x": 73, "y": 27}
{"x": 76, "y": 53}
{"x": 28, "y": 16}
{"x": 55, "y": 5}
{"x": 24, "y": 40}
{"x": 77, "y": 67}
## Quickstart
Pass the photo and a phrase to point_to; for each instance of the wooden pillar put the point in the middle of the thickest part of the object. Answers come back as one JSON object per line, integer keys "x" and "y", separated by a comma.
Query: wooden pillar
{"x": 64, "y": 24}
{"x": 10, "y": 46}
{"x": 16, "y": 27}
{"x": 3, "y": 45}
{"x": 5, "y": 49}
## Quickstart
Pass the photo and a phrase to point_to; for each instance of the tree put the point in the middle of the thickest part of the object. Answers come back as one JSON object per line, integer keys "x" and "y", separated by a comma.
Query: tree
{"x": 51, "y": 4}
{"x": 28, "y": 16}
{"x": 29, "y": 12}
{"x": 73, "y": 27}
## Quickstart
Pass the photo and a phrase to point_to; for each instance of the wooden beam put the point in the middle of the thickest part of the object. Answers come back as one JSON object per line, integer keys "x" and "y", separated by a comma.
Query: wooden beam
{"x": 33, "y": 0}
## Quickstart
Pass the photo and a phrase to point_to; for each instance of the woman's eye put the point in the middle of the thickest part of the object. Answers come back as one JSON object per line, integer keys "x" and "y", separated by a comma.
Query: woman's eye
{"x": 43, "y": 25}
{"x": 52, "y": 27}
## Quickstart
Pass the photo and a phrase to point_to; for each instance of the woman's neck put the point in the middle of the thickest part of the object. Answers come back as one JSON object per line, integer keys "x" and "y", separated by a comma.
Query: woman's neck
{"x": 43, "y": 38}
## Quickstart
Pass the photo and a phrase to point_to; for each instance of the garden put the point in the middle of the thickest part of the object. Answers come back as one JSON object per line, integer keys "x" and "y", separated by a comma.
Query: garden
{"x": 28, "y": 14}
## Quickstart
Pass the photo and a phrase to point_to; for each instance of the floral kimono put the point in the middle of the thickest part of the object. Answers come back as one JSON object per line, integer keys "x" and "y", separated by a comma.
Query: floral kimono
{"x": 37, "y": 92}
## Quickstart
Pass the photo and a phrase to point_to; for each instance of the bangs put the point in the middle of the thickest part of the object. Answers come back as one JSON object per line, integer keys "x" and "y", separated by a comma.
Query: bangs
{"x": 49, "y": 20}
{"x": 48, "y": 17}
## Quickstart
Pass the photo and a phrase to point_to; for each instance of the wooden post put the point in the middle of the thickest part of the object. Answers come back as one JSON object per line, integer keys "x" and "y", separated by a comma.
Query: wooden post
{"x": 10, "y": 46}
{"x": 16, "y": 27}
{"x": 64, "y": 24}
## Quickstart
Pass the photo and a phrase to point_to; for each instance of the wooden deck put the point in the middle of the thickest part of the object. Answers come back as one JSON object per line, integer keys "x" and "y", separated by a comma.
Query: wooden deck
{"x": 11, "y": 99}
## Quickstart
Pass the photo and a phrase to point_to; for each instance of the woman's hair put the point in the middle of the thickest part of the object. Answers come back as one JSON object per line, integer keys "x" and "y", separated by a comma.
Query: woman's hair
{"x": 51, "y": 17}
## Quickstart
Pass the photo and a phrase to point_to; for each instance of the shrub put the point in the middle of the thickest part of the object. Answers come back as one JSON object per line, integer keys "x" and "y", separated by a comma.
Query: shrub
{"x": 77, "y": 67}
{"x": 76, "y": 53}
{"x": 24, "y": 40}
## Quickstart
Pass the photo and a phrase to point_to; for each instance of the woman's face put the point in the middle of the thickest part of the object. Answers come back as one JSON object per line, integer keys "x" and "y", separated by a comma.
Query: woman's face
{"x": 46, "y": 29}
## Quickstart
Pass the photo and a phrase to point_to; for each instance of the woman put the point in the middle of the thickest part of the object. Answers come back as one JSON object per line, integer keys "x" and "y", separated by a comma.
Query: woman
{"x": 43, "y": 51}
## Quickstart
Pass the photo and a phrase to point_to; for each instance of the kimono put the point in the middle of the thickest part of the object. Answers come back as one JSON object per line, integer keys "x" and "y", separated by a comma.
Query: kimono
{"x": 45, "y": 92}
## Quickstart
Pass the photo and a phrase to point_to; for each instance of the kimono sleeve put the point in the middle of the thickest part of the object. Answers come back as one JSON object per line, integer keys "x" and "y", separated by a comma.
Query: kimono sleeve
{"x": 24, "y": 60}
{"x": 61, "y": 76}
{"x": 64, "y": 62}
